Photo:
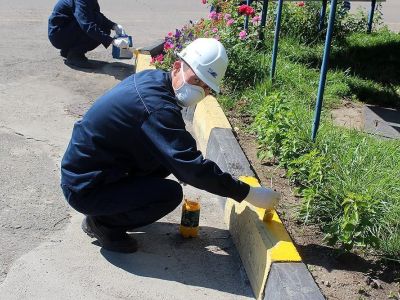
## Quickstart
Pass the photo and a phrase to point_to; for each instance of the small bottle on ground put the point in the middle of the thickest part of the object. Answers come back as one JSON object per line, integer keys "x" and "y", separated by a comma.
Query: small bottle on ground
{"x": 190, "y": 218}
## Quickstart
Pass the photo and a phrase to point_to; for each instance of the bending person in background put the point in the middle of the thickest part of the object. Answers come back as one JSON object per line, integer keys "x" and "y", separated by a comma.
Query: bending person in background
{"x": 77, "y": 26}
{"x": 115, "y": 167}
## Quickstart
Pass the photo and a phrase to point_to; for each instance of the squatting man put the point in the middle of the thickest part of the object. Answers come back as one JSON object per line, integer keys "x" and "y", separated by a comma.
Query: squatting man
{"x": 120, "y": 153}
{"x": 77, "y": 26}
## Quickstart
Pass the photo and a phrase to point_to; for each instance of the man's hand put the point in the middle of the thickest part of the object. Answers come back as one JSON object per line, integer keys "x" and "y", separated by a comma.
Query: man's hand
{"x": 263, "y": 197}
{"x": 119, "y": 30}
{"x": 120, "y": 42}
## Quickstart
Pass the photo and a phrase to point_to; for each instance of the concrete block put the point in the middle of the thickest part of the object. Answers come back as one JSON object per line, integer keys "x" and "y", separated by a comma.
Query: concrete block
{"x": 208, "y": 115}
{"x": 188, "y": 113}
{"x": 153, "y": 49}
{"x": 223, "y": 148}
{"x": 143, "y": 62}
{"x": 382, "y": 121}
{"x": 259, "y": 243}
{"x": 291, "y": 281}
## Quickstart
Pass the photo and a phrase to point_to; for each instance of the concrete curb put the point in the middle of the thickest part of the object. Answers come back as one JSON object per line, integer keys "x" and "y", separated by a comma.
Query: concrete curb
{"x": 382, "y": 121}
{"x": 271, "y": 261}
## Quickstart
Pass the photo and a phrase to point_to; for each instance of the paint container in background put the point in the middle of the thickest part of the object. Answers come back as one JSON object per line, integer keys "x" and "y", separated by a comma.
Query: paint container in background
{"x": 127, "y": 53}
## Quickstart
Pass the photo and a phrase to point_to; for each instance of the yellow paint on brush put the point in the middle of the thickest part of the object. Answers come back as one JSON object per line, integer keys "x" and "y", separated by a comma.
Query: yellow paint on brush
{"x": 284, "y": 249}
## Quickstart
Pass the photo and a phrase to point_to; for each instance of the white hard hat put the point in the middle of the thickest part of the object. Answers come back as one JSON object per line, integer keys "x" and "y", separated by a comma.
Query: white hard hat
{"x": 208, "y": 60}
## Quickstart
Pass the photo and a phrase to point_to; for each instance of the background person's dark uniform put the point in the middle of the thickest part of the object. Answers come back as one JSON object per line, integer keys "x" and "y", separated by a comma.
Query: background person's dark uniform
{"x": 79, "y": 26}
{"x": 124, "y": 147}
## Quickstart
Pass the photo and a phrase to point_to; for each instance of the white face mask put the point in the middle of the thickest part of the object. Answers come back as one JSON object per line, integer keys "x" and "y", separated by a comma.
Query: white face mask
{"x": 188, "y": 94}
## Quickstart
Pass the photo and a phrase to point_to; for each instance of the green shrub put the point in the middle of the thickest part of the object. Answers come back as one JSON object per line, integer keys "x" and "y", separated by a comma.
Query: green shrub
{"x": 246, "y": 68}
{"x": 349, "y": 182}
{"x": 301, "y": 21}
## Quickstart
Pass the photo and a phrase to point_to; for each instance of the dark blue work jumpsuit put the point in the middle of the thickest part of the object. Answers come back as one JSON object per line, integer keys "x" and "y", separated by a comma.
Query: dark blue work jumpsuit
{"x": 79, "y": 26}
{"x": 123, "y": 148}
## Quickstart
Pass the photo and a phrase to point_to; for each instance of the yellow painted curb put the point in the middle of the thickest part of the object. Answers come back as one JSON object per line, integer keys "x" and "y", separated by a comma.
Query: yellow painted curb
{"x": 259, "y": 242}
{"x": 208, "y": 115}
{"x": 143, "y": 62}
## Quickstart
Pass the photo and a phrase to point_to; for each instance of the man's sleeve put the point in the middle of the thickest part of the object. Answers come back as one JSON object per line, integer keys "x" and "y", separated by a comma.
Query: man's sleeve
{"x": 166, "y": 137}
{"x": 107, "y": 22}
{"x": 85, "y": 15}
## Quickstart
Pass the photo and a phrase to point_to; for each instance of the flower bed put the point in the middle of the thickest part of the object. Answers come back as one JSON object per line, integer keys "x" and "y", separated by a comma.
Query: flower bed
{"x": 348, "y": 181}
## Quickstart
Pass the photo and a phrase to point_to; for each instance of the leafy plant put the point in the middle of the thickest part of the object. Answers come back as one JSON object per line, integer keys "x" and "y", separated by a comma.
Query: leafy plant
{"x": 357, "y": 225}
{"x": 349, "y": 183}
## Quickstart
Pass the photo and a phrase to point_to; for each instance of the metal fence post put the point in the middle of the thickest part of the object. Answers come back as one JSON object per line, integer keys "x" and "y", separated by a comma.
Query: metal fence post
{"x": 246, "y": 19}
{"x": 324, "y": 69}
{"x": 263, "y": 19}
{"x": 371, "y": 16}
{"x": 276, "y": 38}
{"x": 322, "y": 15}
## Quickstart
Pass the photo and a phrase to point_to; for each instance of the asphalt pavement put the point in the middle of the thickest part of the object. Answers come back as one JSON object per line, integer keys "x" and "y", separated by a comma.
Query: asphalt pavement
{"x": 44, "y": 254}
{"x": 390, "y": 12}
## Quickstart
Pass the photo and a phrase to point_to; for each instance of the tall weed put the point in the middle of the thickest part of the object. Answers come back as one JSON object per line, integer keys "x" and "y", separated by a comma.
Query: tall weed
{"x": 349, "y": 182}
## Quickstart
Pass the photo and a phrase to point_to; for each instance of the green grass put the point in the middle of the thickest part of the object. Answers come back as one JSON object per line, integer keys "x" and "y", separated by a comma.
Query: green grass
{"x": 349, "y": 181}
{"x": 369, "y": 65}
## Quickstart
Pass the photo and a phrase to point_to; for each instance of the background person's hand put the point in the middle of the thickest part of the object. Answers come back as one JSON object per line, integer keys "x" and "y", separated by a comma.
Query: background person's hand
{"x": 120, "y": 43}
{"x": 263, "y": 197}
{"x": 119, "y": 30}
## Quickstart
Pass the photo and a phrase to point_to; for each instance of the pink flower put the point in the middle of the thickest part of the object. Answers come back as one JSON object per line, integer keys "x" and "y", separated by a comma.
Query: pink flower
{"x": 255, "y": 20}
{"x": 159, "y": 58}
{"x": 213, "y": 15}
{"x": 230, "y": 22}
{"x": 215, "y": 30}
{"x": 242, "y": 34}
{"x": 206, "y": 33}
{"x": 204, "y": 1}
{"x": 300, "y": 4}
{"x": 227, "y": 16}
{"x": 168, "y": 45}
{"x": 219, "y": 16}
{"x": 170, "y": 34}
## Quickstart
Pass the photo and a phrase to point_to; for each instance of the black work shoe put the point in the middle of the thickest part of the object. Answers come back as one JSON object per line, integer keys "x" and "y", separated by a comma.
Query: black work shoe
{"x": 64, "y": 53}
{"x": 109, "y": 239}
{"x": 78, "y": 60}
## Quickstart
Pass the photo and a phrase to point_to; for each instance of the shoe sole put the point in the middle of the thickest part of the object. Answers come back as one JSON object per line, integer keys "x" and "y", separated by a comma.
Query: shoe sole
{"x": 72, "y": 64}
{"x": 108, "y": 247}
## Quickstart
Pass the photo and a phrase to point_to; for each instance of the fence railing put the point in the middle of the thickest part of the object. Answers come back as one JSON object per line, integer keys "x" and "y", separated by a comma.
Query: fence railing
{"x": 327, "y": 46}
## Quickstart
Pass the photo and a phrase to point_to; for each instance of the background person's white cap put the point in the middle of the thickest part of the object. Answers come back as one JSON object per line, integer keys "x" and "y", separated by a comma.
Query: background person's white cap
{"x": 208, "y": 60}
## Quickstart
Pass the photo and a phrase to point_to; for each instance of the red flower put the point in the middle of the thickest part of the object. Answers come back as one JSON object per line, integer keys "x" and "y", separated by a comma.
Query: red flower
{"x": 246, "y": 10}
{"x": 300, "y": 4}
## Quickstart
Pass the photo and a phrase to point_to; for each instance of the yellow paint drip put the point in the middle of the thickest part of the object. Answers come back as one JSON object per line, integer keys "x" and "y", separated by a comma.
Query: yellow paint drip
{"x": 267, "y": 214}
